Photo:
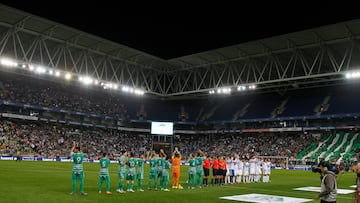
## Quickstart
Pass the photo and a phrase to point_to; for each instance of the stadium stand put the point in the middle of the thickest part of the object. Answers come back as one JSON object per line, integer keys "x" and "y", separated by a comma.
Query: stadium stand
{"x": 105, "y": 111}
{"x": 43, "y": 93}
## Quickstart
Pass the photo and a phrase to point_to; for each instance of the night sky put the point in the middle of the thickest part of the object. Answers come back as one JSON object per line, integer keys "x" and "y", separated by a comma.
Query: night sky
{"x": 170, "y": 33}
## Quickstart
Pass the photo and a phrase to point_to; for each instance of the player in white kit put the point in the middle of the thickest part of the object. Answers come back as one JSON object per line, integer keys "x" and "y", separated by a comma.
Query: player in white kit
{"x": 267, "y": 170}
{"x": 231, "y": 168}
{"x": 239, "y": 168}
{"x": 246, "y": 178}
{"x": 258, "y": 171}
{"x": 252, "y": 163}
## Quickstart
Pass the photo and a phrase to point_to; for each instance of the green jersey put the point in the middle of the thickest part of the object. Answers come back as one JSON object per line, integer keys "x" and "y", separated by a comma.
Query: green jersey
{"x": 122, "y": 164}
{"x": 192, "y": 166}
{"x": 166, "y": 168}
{"x": 160, "y": 163}
{"x": 104, "y": 166}
{"x": 77, "y": 163}
{"x": 199, "y": 163}
{"x": 140, "y": 163}
{"x": 131, "y": 166}
{"x": 153, "y": 165}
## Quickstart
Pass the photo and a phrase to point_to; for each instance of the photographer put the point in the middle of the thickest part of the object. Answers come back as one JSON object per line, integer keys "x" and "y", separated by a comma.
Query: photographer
{"x": 357, "y": 189}
{"x": 328, "y": 184}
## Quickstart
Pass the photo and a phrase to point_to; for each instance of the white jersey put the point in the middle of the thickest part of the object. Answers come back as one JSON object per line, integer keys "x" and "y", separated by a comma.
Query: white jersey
{"x": 240, "y": 168}
{"x": 258, "y": 167}
{"x": 236, "y": 164}
{"x": 231, "y": 165}
{"x": 246, "y": 168}
{"x": 252, "y": 163}
{"x": 267, "y": 167}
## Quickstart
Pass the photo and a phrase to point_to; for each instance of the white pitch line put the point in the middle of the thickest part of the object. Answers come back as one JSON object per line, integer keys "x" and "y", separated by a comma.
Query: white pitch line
{"x": 282, "y": 191}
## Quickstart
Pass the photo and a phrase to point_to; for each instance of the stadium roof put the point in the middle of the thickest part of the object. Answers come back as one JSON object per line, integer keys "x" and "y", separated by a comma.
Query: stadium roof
{"x": 302, "y": 59}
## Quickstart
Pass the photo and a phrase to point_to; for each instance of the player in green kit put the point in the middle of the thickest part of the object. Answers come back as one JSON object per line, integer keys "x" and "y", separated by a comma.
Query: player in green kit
{"x": 140, "y": 172}
{"x": 122, "y": 171}
{"x": 104, "y": 173}
{"x": 131, "y": 172}
{"x": 160, "y": 165}
{"x": 192, "y": 171}
{"x": 165, "y": 176}
{"x": 77, "y": 169}
{"x": 199, "y": 167}
{"x": 153, "y": 170}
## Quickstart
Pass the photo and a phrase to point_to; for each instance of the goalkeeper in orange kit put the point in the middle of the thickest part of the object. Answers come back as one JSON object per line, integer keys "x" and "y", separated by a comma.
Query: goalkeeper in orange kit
{"x": 176, "y": 159}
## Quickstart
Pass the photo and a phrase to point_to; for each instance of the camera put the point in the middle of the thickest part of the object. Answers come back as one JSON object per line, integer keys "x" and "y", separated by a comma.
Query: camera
{"x": 329, "y": 166}
{"x": 316, "y": 169}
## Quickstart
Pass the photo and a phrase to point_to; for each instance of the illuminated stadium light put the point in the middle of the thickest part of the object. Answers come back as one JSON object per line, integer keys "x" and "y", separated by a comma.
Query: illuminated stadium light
{"x": 252, "y": 87}
{"x": 352, "y": 75}
{"x": 104, "y": 85}
{"x": 132, "y": 90}
{"x": 8, "y": 62}
{"x": 139, "y": 92}
{"x": 40, "y": 70}
{"x": 241, "y": 88}
{"x": 125, "y": 89}
{"x": 86, "y": 80}
{"x": 224, "y": 90}
{"x": 67, "y": 76}
{"x": 109, "y": 85}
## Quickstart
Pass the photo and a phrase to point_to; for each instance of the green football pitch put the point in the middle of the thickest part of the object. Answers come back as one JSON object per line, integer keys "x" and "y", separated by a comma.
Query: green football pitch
{"x": 29, "y": 181}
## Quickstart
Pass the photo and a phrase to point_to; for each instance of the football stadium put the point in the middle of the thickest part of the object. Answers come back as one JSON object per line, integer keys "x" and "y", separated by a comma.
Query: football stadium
{"x": 87, "y": 119}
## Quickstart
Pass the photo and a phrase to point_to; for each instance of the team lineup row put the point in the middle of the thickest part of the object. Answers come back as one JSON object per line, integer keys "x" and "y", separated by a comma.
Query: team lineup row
{"x": 231, "y": 170}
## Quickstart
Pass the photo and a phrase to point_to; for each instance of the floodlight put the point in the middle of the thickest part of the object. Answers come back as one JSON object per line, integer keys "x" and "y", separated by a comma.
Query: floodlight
{"x": 87, "y": 80}
{"x": 40, "y": 69}
{"x": 241, "y": 88}
{"x": 67, "y": 76}
{"x": 252, "y": 87}
{"x": 8, "y": 62}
